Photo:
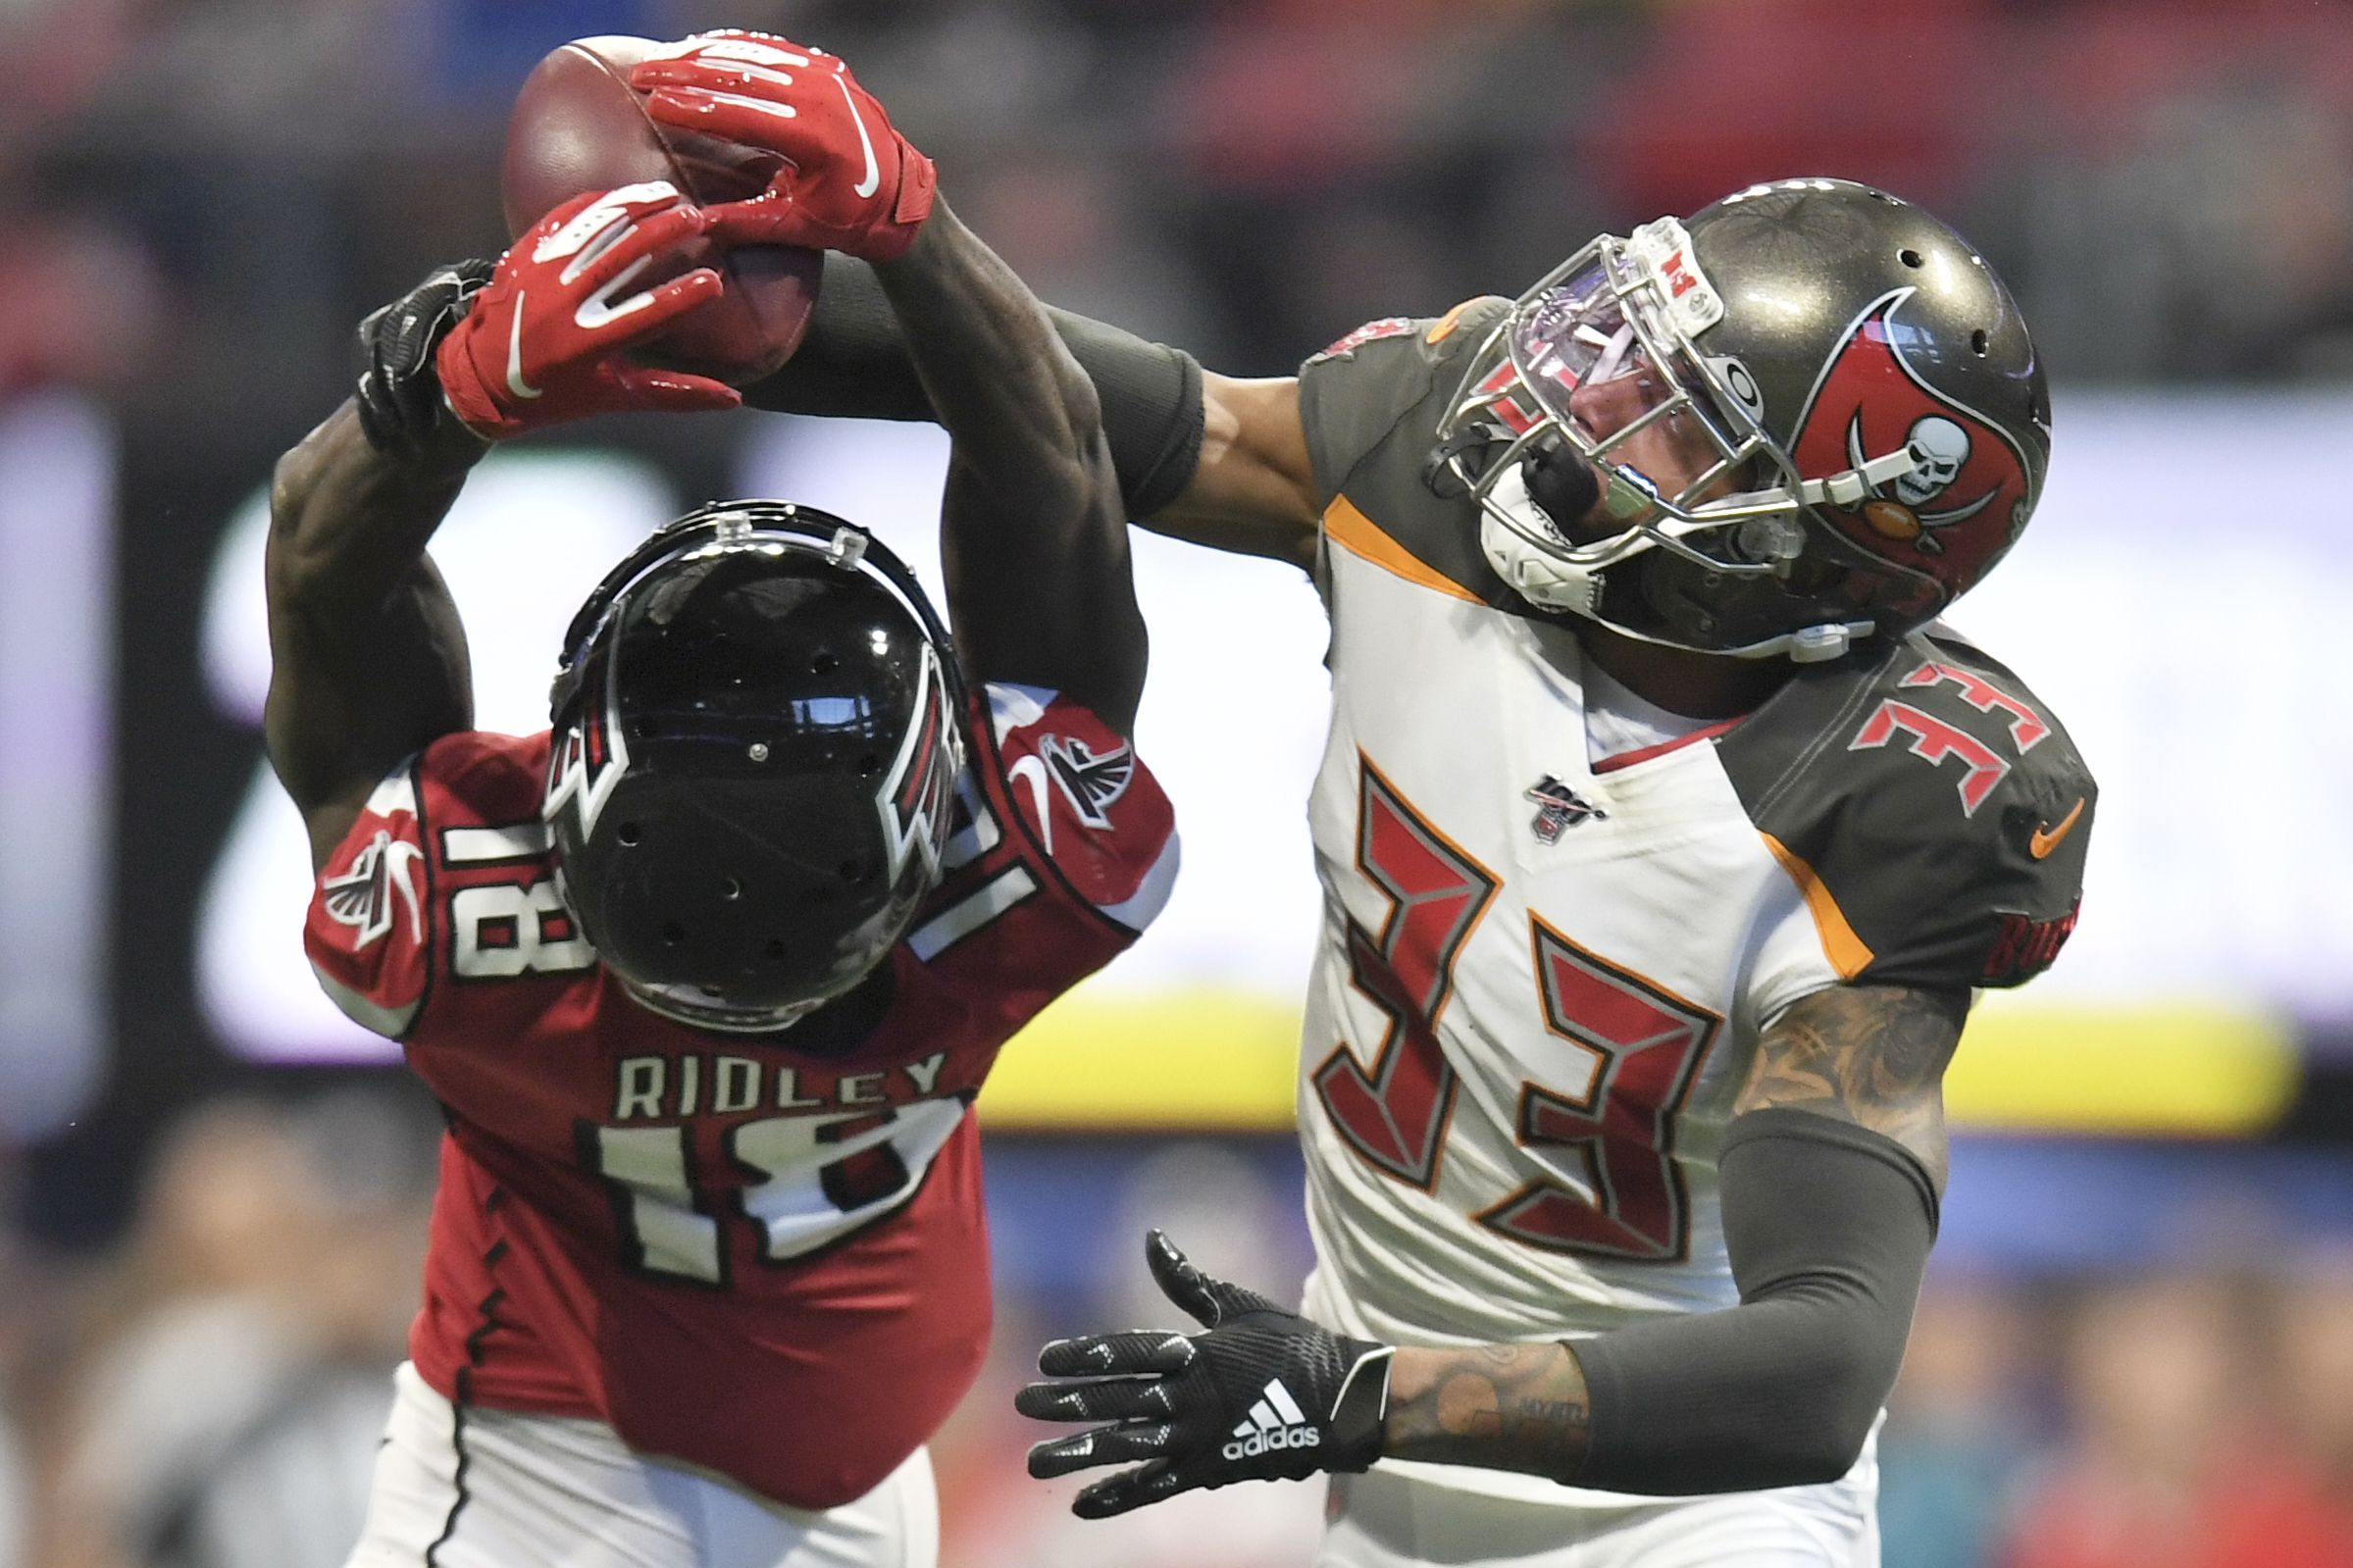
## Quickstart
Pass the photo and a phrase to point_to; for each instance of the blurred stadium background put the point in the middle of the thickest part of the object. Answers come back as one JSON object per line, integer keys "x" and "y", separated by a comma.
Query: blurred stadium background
{"x": 2137, "y": 1343}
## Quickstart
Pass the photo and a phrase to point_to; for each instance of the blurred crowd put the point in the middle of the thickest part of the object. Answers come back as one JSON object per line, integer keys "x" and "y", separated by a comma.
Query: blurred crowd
{"x": 209, "y": 1395}
{"x": 211, "y": 1391}
{"x": 211, "y": 192}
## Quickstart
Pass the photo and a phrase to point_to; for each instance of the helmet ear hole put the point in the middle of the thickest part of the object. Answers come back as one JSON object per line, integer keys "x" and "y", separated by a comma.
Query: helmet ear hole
{"x": 824, "y": 664}
{"x": 1977, "y": 342}
{"x": 629, "y": 832}
{"x": 1910, "y": 258}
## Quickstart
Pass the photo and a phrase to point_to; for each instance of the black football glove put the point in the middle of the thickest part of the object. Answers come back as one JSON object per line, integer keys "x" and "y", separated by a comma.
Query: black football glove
{"x": 399, "y": 395}
{"x": 1263, "y": 1395}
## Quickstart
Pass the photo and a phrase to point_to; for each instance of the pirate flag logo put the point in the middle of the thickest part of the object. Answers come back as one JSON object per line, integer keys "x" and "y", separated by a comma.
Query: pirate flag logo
{"x": 1964, "y": 500}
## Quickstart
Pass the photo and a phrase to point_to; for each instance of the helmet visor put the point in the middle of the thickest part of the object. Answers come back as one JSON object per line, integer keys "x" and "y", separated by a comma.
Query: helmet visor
{"x": 1625, "y": 386}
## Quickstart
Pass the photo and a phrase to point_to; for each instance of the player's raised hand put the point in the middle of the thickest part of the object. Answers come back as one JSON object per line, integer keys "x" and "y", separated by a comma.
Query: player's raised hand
{"x": 850, "y": 181}
{"x": 1262, "y": 1395}
{"x": 400, "y": 398}
{"x": 541, "y": 342}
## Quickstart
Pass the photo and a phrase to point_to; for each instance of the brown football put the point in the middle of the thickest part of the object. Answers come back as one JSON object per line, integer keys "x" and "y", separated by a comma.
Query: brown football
{"x": 578, "y": 125}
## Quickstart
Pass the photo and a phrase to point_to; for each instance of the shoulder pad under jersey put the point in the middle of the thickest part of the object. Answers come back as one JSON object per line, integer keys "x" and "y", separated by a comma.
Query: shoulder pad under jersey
{"x": 1370, "y": 406}
{"x": 1931, "y": 808}
{"x": 1078, "y": 792}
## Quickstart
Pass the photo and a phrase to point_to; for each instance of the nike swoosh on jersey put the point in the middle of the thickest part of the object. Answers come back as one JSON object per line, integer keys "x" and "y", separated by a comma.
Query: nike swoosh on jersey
{"x": 2046, "y": 839}
{"x": 515, "y": 382}
{"x": 874, "y": 170}
{"x": 1031, "y": 772}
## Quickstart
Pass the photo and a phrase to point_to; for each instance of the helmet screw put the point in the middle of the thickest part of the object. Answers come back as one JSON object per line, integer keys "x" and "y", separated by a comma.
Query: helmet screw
{"x": 758, "y": 752}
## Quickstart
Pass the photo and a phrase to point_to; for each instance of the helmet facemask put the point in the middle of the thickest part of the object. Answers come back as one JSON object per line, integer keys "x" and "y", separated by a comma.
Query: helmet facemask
{"x": 1624, "y": 314}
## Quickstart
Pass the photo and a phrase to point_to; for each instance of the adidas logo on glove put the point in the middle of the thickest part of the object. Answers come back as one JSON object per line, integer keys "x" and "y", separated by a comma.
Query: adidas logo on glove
{"x": 1274, "y": 1422}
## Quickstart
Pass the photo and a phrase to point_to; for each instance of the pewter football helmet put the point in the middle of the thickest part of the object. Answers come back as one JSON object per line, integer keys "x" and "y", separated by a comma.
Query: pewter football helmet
{"x": 1876, "y": 414}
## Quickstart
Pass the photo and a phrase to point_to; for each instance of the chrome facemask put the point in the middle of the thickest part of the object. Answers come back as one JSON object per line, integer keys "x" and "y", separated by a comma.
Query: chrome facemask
{"x": 1618, "y": 309}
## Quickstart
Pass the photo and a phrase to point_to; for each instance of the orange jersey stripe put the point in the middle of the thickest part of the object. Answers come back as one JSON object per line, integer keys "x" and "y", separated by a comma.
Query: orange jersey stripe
{"x": 1847, "y": 952}
{"x": 1360, "y": 535}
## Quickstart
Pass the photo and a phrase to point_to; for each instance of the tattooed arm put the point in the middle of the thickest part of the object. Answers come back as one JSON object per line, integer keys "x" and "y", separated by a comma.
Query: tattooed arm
{"x": 1828, "y": 1175}
{"x": 1871, "y": 1055}
{"x": 1498, "y": 1406}
{"x": 1784, "y": 1387}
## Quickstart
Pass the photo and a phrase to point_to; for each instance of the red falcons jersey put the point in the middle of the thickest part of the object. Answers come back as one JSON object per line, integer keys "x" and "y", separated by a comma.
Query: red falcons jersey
{"x": 760, "y": 1254}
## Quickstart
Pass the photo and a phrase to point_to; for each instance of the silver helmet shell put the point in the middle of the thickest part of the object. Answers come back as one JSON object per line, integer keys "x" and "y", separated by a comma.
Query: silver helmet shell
{"x": 1872, "y": 414}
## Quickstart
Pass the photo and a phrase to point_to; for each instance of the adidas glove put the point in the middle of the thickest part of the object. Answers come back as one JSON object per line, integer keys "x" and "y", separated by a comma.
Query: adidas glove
{"x": 1263, "y": 1395}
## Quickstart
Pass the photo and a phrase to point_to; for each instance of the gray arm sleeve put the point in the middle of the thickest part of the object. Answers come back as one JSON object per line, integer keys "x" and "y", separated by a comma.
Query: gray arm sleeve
{"x": 853, "y": 364}
{"x": 1828, "y": 1226}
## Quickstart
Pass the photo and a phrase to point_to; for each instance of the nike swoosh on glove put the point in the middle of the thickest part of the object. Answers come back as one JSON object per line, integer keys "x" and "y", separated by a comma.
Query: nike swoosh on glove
{"x": 1264, "y": 1395}
{"x": 849, "y": 182}
{"x": 542, "y": 343}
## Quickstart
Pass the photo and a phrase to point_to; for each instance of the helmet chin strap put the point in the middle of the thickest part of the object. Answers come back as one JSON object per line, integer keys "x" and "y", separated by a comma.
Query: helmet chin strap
{"x": 1553, "y": 582}
{"x": 1546, "y": 581}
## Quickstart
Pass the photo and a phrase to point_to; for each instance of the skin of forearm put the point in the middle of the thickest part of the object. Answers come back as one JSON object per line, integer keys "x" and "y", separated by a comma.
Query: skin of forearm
{"x": 368, "y": 658}
{"x": 1003, "y": 383}
{"x": 349, "y": 524}
{"x": 1497, "y": 1407}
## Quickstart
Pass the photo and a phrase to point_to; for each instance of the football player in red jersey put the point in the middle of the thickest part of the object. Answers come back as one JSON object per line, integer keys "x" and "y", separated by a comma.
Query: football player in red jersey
{"x": 708, "y": 975}
{"x": 1666, "y": 834}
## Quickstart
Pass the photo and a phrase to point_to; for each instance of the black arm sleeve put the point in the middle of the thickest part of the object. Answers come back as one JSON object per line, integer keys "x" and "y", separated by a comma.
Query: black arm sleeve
{"x": 1829, "y": 1227}
{"x": 853, "y": 364}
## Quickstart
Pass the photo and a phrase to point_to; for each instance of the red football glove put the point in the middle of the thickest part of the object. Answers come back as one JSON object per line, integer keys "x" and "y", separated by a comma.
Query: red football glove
{"x": 851, "y": 183}
{"x": 541, "y": 344}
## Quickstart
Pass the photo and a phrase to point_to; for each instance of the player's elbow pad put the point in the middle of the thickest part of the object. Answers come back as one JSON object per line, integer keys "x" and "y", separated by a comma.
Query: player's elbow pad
{"x": 1828, "y": 1226}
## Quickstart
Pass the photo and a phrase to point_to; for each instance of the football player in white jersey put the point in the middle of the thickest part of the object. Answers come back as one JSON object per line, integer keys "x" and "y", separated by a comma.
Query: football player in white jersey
{"x": 1666, "y": 835}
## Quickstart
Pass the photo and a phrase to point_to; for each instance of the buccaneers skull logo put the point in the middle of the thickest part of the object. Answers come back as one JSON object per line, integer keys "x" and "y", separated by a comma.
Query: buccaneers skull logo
{"x": 1961, "y": 501}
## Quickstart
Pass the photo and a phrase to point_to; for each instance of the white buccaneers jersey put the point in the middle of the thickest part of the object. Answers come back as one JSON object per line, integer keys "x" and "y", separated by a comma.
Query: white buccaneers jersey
{"x": 1542, "y": 979}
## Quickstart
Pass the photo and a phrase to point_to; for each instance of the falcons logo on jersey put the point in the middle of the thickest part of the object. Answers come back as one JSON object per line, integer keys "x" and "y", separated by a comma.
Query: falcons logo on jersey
{"x": 1090, "y": 781}
{"x": 362, "y": 898}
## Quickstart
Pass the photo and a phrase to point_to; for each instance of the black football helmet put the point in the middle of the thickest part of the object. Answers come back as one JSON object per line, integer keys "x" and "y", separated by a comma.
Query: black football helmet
{"x": 1876, "y": 413}
{"x": 758, "y": 729}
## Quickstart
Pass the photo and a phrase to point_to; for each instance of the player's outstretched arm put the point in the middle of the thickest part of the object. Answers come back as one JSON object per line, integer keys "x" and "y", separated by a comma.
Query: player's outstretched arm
{"x": 368, "y": 657}
{"x": 1205, "y": 458}
{"x": 1252, "y": 491}
{"x": 1033, "y": 536}
{"x": 1830, "y": 1173}
{"x": 1210, "y": 459}
{"x": 1213, "y": 460}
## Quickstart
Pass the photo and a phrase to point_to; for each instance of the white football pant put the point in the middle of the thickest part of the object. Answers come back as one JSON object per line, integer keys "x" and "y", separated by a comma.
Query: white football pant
{"x": 504, "y": 1490}
{"x": 1385, "y": 1520}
